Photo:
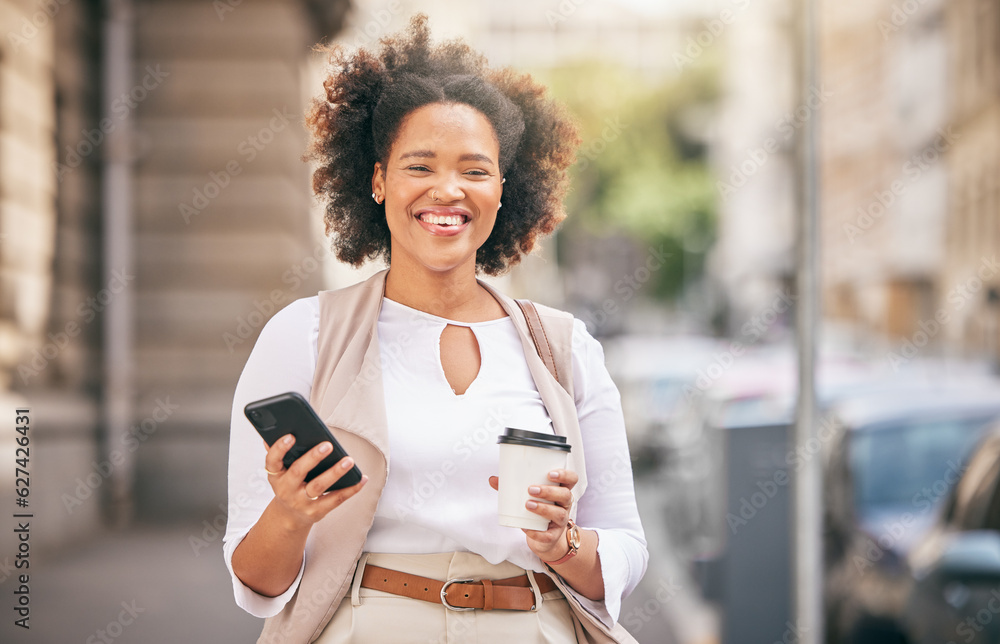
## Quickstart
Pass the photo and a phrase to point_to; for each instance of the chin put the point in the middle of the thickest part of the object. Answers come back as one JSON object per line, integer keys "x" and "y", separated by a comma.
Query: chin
{"x": 444, "y": 268}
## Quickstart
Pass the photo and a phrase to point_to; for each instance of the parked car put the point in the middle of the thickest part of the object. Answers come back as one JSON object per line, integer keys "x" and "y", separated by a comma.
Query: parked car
{"x": 895, "y": 455}
{"x": 954, "y": 594}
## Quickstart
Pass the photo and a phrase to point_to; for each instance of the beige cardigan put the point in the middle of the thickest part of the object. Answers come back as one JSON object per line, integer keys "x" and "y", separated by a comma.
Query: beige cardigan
{"x": 347, "y": 393}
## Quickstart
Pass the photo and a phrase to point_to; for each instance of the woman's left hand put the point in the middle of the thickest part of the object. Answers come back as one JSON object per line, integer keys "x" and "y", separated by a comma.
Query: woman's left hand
{"x": 550, "y": 544}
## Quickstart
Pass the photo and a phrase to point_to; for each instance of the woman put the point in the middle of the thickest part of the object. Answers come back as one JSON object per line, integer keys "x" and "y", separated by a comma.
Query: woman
{"x": 422, "y": 366}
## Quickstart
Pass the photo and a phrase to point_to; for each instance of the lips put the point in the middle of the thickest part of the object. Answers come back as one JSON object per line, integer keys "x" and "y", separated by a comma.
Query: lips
{"x": 443, "y": 221}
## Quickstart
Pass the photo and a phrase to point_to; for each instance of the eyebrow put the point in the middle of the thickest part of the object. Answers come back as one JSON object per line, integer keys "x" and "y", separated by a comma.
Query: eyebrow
{"x": 430, "y": 154}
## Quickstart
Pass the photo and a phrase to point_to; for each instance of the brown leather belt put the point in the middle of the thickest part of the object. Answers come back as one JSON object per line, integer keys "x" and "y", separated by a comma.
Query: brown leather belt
{"x": 513, "y": 593}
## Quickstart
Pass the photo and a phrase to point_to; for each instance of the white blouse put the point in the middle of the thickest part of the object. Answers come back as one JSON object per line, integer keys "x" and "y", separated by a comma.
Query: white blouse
{"x": 443, "y": 446}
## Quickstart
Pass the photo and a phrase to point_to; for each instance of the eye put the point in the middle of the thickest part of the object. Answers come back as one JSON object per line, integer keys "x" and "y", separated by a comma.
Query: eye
{"x": 478, "y": 173}
{"x": 418, "y": 168}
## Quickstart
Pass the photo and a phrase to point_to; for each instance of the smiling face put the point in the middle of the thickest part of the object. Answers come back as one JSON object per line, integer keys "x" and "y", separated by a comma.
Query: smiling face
{"x": 441, "y": 187}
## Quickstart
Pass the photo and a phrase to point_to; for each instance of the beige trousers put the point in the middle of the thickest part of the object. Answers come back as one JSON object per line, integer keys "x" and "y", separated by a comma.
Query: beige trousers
{"x": 375, "y": 617}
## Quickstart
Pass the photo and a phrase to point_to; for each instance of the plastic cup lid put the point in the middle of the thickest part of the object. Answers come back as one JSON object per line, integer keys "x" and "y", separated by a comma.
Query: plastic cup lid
{"x": 513, "y": 436}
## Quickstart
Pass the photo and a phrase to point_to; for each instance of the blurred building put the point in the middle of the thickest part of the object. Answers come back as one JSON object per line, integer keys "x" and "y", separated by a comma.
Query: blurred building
{"x": 880, "y": 103}
{"x": 969, "y": 285}
{"x": 911, "y": 174}
{"x": 909, "y": 169}
{"x": 155, "y": 212}
{"x": 49, "y": 254}
{"x": 754, "y": 156}
{"x": 528, "y": 34}
{"x": 883, "y": 174}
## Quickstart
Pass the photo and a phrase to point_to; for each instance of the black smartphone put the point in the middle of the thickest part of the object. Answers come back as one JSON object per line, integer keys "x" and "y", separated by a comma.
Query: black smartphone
{"x": 292, "y": 414}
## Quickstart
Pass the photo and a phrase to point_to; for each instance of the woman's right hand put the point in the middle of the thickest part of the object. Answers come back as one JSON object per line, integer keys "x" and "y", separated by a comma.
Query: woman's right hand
{"x": 268, "y": 559}
{"x": 306, "y": 503}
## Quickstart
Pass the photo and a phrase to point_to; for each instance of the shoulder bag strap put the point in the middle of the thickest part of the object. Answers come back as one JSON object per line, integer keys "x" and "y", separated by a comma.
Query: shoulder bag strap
{"x": 541, "y": 341}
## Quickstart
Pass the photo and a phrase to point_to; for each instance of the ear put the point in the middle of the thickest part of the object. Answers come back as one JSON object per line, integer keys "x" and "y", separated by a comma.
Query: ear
{"x": 378, "y": 180}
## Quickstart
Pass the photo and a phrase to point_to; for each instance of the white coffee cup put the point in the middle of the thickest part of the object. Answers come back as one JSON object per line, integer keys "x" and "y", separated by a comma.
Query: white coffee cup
{"x": 526, "y": 458}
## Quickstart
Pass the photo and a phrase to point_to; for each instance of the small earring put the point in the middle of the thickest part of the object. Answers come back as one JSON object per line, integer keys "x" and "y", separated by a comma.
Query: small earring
{"x": 376, "y": 198}
{"x": 499, "y": 205}
{"x": 504, "y": 180}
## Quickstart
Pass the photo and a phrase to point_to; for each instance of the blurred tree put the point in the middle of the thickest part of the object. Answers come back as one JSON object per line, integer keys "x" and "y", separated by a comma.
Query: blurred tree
{"x": 643, "y": 169}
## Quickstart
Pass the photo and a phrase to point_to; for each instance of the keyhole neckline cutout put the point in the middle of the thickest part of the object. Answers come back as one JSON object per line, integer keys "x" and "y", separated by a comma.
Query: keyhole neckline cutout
{"x": 463, "y": 366}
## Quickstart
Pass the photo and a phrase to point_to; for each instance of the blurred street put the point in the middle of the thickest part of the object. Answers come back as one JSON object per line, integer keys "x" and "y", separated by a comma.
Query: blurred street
{"x": 666, "y": 608}
{"x": 142, "y": 586}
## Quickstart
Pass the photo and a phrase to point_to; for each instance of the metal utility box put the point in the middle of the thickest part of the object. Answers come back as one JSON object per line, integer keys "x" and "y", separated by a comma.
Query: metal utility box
{"x": 755, "y": 569}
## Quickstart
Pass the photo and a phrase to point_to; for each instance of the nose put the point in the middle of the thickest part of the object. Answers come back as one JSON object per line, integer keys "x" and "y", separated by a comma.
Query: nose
{"x": 447, "y": 189}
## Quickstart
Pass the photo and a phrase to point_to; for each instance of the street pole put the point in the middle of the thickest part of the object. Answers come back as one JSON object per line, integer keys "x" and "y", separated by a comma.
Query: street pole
{"x": 808, "y": 498}
{"x": 119, "y": 315}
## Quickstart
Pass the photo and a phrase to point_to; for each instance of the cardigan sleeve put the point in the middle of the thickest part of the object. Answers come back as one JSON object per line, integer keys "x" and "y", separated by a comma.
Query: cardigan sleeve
{"x": 283, "y": 359}
{"x": 608, "y": 504}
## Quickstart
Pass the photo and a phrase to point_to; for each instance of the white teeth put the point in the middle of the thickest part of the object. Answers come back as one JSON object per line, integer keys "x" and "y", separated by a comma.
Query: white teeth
{"x": 448, "y": 220}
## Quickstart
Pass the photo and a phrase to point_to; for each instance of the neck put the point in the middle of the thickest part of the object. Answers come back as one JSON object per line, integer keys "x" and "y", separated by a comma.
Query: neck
{"x": 455, "y": 295}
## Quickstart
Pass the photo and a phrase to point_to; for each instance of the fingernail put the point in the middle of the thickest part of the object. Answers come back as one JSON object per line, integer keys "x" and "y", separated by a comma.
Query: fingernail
{"x": 554, "y": 476}
{"x": 325, "y": 448}
{"x": 347, "y": 463}
{"x": 531, "y": 505}
{"x": 534, "y": 490}
{"x": 287, "y": 440}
